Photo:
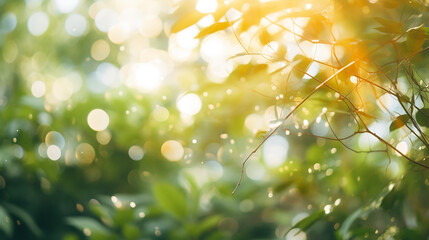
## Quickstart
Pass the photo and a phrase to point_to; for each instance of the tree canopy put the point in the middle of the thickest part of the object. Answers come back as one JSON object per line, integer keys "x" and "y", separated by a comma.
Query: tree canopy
{"x": 209, "y": 119}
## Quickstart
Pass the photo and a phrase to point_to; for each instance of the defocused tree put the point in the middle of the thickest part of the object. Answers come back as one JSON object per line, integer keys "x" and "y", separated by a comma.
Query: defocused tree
{"x": 132, "y": 119}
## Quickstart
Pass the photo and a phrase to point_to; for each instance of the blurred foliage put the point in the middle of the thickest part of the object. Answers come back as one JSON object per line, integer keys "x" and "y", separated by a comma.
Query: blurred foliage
{"x": 132, "y": 119}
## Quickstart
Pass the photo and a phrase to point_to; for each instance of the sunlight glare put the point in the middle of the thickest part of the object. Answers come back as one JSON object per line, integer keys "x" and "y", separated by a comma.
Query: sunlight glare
{"x": 146, "y": 77}
{"x": 189, "y": 104}
{"x": 254, "y": 122}
{"x": 75, "y": 25}
{"x": 312, "y": 71}
{"x": 105, "y": 19}
{"x": 353, "y": 79}
{"x": 206, "y": 6}
{"x": 66, "y": 6}
{"x": 185, "y": 38}
{"x": 275, "y": 151}
{"x": 402, "y": 147}
{"x": 216, "y": 48}
{"x": 151, "y": 26}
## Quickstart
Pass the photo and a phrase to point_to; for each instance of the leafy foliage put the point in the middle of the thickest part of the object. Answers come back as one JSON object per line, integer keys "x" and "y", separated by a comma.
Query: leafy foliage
{"x": 330, "y": 110}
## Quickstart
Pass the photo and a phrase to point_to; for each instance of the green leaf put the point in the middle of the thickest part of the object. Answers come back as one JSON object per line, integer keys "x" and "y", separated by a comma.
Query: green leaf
{"x": 409, "y": 234}
{"x": 216, "y": 27}
{"x": 25, "y": 217}
{"x": 86, "y": 222}
{"x": 102, "y": 211}
{"x": 307, "y": 222}
{"x": 5, "y": 223}
{"x": 207, "y": 224}
{"x": 415, "y": 38}
{"x": 388, "y": 26}
{"x": 123, "y": 216}
{"x": 345, "y": 231}
{"x": 260, "y": 134}
{"x": 187, "y": 21}
{"x": 399, "y": 121}
{"x": 171, "y": 198}
{"x": 131, "y": 232}
{"x": 422, "y": 117}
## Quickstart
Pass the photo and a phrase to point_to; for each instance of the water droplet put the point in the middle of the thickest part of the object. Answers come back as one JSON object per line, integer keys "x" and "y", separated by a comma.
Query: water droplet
{"x": 337, "y": 202}
{"x": 270, "y": 192}
{"x": 328, "y": 209}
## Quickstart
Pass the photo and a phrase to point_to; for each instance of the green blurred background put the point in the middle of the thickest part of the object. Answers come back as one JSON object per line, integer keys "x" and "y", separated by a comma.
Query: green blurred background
{"x": 117, "y": 123}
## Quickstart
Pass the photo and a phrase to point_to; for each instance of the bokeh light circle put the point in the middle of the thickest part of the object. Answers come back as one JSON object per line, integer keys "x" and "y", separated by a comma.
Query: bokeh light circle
{"x": 160, "y": 114}
{"x": 104, "y": 137}
{"x": 85, "y": 153}
{"x": 55, "y": 138}
{"x": 38, "y": 23}
{"x": 38, "y": 89}
{"x": 275, "y": 151}
{"x": 172, "y": 150}
{"x": 53, "y": 152}
{"x": 75, "y": 25}
{"x": 8, "y": 22}
{"x": 98, "y": 120}
{"x": 66, "y": 6}
{"x": 100, "y": 50}
{"x": 189, "y": 104}
{"x": 136, "y": 153}
{"x": 105, "y": 19}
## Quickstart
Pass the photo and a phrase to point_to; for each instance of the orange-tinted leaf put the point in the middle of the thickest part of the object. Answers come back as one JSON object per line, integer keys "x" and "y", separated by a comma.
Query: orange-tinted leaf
{"x": 399, "y": 121}
{"x": 301, "y": 64}
{"x": 219, "y": 26}
{"x": 223, "y": 8}
{"x": 391, "y": 3}
{"x": 366, "y": 114}
{"x": 277, "y": 6}
{"x": 187, "y": 21}
{"x": 297, "y": 14}
{"x": 264, "y": 36}
{"x": 258, "y": 10}
{"x": 388, "y": 26}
